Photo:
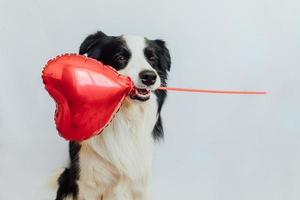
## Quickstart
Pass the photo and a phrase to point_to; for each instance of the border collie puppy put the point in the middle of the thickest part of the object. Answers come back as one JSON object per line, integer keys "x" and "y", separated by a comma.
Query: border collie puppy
{"x": 116, "y": 164}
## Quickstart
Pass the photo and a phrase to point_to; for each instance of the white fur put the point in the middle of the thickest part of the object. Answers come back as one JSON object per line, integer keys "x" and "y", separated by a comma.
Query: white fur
{"x": 116, "y": 164}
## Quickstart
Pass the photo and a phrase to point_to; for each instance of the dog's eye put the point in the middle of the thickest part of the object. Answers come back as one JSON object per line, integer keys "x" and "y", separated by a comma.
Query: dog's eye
{"x": 152, "y": 58}
{"x": 150, "y": 54}
{"x": 120, "y": 59}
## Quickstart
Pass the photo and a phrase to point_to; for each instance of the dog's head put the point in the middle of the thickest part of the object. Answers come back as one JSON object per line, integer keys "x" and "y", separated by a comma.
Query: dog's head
{"x": 145, "y": 61}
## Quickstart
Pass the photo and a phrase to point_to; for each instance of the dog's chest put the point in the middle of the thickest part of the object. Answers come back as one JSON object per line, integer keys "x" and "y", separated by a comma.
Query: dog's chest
{"x": 125, "y": 146}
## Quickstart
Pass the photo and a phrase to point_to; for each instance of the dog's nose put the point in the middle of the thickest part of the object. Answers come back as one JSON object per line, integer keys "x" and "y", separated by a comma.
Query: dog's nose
{"x": 148, "y": 77}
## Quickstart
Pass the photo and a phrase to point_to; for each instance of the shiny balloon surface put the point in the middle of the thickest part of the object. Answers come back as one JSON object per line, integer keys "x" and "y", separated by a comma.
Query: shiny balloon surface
{"x": 87, "y": 94}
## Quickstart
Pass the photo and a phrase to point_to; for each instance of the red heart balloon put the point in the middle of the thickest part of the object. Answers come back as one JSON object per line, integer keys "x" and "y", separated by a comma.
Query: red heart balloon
{"x": 87, "y": 94}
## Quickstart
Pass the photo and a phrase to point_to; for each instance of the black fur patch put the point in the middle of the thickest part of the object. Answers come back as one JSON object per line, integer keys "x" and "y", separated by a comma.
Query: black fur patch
{"x": 162, "y": 67}
{"x": 107, "y": 49}
{"x": 67, "y": 181}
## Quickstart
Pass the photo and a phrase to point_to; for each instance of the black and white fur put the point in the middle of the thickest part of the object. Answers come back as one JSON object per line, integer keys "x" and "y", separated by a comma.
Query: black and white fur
{"x": 116, "y": 164}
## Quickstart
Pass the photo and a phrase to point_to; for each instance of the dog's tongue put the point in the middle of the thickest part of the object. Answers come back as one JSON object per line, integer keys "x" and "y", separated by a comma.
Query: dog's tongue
{"x": 135, "y": 91}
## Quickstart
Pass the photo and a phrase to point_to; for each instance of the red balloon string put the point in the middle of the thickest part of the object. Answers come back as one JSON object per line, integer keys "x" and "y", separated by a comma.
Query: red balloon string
{"x": 211, "y": 91}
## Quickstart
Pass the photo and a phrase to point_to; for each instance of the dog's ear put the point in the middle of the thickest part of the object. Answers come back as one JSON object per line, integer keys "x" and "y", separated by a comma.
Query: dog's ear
{"x": 88, "y": 45}
{"x": 165, "y": 58}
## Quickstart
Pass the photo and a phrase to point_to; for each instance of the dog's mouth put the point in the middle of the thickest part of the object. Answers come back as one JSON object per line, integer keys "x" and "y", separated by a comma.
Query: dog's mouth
{"x": 141, "y": 94}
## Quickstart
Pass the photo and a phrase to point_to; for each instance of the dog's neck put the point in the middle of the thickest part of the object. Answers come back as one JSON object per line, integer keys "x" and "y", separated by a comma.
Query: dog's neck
{"x": 126, "y": 143}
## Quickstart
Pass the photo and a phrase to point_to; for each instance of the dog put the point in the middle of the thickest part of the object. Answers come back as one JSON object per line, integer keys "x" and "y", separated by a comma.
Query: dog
{"x": 116, "y": 165}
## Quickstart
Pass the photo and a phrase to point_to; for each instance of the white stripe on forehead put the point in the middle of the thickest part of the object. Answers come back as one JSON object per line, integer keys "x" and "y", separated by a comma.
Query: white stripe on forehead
{"x": 136, "y": 44}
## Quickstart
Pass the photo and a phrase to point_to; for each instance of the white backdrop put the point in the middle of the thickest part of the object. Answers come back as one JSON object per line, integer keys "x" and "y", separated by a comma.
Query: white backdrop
{"x": 217, "y": 147}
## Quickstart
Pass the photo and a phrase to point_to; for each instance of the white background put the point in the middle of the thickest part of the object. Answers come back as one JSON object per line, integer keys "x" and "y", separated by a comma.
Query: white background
{"x": 217, "y": 147}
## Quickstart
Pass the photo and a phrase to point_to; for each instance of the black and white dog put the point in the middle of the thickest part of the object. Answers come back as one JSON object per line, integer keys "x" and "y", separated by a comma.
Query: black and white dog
{"x": 116, "y": 164}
